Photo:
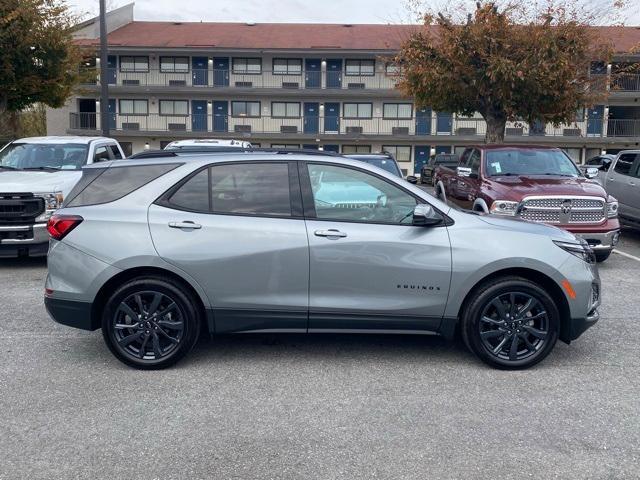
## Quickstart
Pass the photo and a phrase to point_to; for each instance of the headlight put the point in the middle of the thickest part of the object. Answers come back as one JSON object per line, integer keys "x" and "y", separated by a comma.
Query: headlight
{"x": 581, "y": 250}
{"x": 504, "y": 207}
{"x": 52, "y": 201}
{"x": 612, "y": 209}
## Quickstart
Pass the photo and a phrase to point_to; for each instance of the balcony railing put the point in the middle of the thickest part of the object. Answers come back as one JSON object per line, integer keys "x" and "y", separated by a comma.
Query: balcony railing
{"x": 265, "y": 79}
{"x": 353, "y": 127}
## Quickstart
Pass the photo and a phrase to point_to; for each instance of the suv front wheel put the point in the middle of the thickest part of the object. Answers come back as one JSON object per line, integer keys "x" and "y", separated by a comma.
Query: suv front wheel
{"x": 150, "y": 323}
{"x": 510, "y": 323}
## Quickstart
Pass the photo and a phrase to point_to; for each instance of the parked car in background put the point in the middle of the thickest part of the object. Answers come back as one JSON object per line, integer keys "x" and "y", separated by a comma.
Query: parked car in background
{"x": 261, "y": 241}
{"x": 427, "y": 172}
{"x": 36, "y": 174}
{"x": 622, "y": 180}
{"x": 601, "y": 162}
{"x": 384, "y": 161}
{"x": 540, "y": 184}
{"x": 204, "y": 143}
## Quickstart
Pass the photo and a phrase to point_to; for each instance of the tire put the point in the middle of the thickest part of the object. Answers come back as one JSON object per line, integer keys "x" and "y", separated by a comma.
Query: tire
{"x": 160, "y": 341}
{"x": 492, "y": 336}
{"x": 602, "y": 256}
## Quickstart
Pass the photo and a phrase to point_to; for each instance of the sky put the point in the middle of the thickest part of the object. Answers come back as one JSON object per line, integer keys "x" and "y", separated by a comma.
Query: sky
{"x": 276, "y": 11}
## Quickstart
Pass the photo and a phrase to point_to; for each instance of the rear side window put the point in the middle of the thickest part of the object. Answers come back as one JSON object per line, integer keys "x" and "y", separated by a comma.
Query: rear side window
{"x": 113, "y": 183}
{"x": 116, "y": 152}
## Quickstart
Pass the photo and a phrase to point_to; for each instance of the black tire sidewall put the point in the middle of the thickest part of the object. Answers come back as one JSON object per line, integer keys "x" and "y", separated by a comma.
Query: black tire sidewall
{"x": 471, "y": 319}
{"x": 602, "y": 256}
{"x": 184, "y": 303}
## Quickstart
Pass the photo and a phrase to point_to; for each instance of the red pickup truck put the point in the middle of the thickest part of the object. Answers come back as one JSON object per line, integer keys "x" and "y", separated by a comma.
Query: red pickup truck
{"x": 540, "y": 184}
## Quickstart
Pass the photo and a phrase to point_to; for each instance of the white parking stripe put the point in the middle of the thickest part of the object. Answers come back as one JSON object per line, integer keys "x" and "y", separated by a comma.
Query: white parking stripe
{"x": 628, "y": 255}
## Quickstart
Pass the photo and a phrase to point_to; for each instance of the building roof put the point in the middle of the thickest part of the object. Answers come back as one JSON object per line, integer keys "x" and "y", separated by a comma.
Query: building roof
{"x": 292, "y": 36}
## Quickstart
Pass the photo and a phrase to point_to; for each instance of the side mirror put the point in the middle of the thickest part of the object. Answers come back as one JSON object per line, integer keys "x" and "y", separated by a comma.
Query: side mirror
{"x": 592, "y": 172}
{"x": 412, "y": 179}
{"x": 424, "y": 215}
{"x": 463, "y": 171}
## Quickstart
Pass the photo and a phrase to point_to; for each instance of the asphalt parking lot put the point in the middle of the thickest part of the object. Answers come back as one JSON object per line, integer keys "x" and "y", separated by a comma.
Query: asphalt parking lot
{"x": 328, "y": 406}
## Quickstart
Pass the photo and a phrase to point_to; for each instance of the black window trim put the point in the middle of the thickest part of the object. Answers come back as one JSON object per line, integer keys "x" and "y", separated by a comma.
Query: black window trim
{"x": 247, "y": 116}
{"x": 273, "y": 66}
{"x": 359, "y": 60}
{"x": 236, "y": 72}
{"x": 174, "y": 64}
{"x": 134, "y": 63}
{"x": 295, "y": 196}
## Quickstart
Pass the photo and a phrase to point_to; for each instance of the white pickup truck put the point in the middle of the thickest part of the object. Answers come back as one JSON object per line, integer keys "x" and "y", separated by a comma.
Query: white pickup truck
{"x": 35, "y": 176}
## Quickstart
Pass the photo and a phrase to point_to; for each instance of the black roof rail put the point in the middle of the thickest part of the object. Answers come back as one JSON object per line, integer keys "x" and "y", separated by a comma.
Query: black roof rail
{"x": 203, "y": 150}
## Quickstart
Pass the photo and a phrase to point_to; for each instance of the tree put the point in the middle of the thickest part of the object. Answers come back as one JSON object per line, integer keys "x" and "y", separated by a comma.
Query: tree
{"x": 508, "y": 64}
{"x": 38, "y": 61}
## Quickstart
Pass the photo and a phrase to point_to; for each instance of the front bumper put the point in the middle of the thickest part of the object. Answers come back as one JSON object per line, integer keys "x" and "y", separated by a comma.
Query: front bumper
{"x": 581, "y": 325}
{"x": 600, "y": 241}
{"x": 71, "y": 313}
{"x": 19, "y": 240}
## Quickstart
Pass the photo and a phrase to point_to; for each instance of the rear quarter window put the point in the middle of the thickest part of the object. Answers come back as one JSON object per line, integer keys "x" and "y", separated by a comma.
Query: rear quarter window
{"x": 105, "y": 185}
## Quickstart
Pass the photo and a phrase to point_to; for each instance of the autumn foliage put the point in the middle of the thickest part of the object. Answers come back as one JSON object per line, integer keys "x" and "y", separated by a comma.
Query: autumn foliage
{"x": 503, "y": 65}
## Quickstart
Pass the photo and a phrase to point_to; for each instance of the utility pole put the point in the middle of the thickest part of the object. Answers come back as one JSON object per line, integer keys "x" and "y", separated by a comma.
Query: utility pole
{"x": 104, "y": 82}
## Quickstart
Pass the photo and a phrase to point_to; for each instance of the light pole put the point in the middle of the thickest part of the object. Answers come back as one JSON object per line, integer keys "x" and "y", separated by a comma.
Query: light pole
{"x": 104, "y": 82}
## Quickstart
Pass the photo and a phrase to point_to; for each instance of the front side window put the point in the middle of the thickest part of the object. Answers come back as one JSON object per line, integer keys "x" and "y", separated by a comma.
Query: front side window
{"x": 174, "y": 107}
{"x": 529, "y": 161}
{"x": 245, "y": 109}
{"x": 474, "y": 161}
{"x": 68, "y": 156}
{"x": 174, "y": 64}
{"x": 250, "y": 66}
{"x": 134, "y": 64}
{"x": 285, "y": 109}
{"x": 287, "y": 66}
{"x": 359, "y": 67}
{"x": 115, "y": 152}
{"x": 345, "y": 194}
{"x": 134, "y": 107}
{"x": 628, "y": 165}
{"x": 358, "y": 110}
{"x": 402, "y": 153}
{"x": 397, "y": 110}
{"x": 101, "y": 155}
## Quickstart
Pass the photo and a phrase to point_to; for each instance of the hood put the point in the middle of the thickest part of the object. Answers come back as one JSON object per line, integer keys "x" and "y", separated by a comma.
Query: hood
{"x": 14, "y": 181}
{"x": 516, "y": 224}
{"x": 517, "y": 187}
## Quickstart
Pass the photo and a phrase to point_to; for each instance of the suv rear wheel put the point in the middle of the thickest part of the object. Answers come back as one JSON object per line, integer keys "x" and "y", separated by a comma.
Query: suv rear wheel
{"x": 150, "y": 323}
{"x": 510, "y": 323}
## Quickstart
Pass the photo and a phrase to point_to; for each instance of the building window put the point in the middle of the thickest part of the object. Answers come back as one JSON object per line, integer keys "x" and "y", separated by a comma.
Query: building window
{"x": 359, "y": 67}
{"x": 402, "y": 153}
{"x": 393, "y": 69}
{"x": 285, "y": 109}
{"x": 174, "y": 107}
{"x": 134, "y": 107}
{"x": 287, "y": 66}
{"x": 285, "y": 146}
{"x": 134, "y": 64}
{"x": 357, "y": 110}
{"x": 397, "y": 110}
{"x": 245, "y": 109}
{"x": 356, "y": 149}
{"x": 174, "y": 64}
{"x": 249, "y": 66}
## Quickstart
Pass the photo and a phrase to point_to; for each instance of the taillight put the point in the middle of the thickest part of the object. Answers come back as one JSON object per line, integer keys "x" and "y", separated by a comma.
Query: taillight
{"x": 60, "y": 225}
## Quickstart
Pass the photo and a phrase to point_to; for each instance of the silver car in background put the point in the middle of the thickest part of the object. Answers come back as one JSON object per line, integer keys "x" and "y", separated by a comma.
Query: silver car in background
{"x": 157, "y": 251}
{"x": 622, "y": 180}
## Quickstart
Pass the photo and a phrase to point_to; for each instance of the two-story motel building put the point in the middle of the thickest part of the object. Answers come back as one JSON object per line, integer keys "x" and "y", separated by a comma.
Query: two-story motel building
{"x": 306, "y": 85}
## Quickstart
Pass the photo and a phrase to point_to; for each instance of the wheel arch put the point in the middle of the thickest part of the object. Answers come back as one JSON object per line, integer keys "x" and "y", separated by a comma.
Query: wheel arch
{"x": 480, "y": 206}
{"x": 546, "y": 282}
{"x": 440, "y": 187}
{"x": 125, "y": 275}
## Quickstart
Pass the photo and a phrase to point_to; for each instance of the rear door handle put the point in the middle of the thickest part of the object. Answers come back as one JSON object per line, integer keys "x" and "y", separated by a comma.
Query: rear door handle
{"x": 187, "y": 225}
{"x": 331, "y": 233}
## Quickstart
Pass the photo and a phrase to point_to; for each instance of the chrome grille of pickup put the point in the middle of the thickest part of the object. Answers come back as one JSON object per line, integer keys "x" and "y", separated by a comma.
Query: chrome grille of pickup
{"x": 564, "y": 210}
{"x": 20, "y": 208}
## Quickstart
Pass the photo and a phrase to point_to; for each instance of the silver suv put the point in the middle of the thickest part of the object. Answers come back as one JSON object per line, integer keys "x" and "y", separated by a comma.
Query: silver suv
{"x": 157, "y": 251}
{"x": 622, "y": 180}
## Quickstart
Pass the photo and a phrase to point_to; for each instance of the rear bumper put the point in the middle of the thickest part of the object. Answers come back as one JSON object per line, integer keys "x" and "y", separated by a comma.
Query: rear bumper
{"x": 71, "y": 313}
{"x": 24, "y": 240}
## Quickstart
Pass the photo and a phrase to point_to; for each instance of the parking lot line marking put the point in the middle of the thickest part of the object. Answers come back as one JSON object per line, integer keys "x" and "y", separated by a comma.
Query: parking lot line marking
{"x": 628, "y": 255}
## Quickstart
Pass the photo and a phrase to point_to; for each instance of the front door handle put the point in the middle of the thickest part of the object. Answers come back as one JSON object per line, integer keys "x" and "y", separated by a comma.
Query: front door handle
{"x": 331, "y": 233}
{"x": 187, "y": 225}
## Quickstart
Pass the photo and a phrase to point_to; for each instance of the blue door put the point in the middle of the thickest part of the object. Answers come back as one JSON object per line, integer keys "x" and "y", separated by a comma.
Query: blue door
{"x": 331, "y": 148}
{"x": 331, "y": 117}
{"x": 220, "y": 116}
{"x": 334, "y": 73}
{"x": 221, "y": 72}
{"x": 423, "y": 121}
{"x": 111, "y": 108}
{"x": 422, "y": 157}
{"x": 198, "y": 115}
{"x": 311, "y": 117}
{"x": 312, "y": 76}
{"x": 112, "y": 69}
{"x": 595, "y": 118}
{"x": 200, "y": 71}
{"x": 444, "y": 123}
{"x": 443, "y": 149}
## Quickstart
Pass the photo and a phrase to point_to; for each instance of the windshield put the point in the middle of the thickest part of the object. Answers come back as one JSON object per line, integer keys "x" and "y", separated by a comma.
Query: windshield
{"x": 383, "y": 163}
{"x": 513, "y": 161}
{"x": 35, "y": 156}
